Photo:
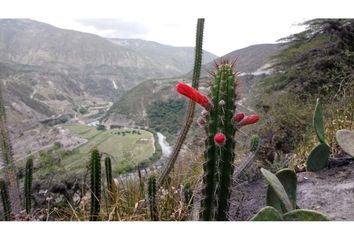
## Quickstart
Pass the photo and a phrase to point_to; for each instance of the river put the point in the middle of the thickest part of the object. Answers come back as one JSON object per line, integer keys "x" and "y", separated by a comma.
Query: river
{"x": 165, "y": 147}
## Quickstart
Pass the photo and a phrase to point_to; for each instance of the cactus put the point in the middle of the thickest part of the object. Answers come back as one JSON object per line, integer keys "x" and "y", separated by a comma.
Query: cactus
{"x": 319, "y": 156}
{"x": 287, "y": 178}
{"x": 318, "y": 122}
{"x": 9, "y": 168}
{"x": 267, "y": 214}
{"x": 219, "y": 121}
{"x": 281, "y": 200}
{"x": 278, "y": 190}
{"x": 345, "y": 139}
{"x": 109, "y": 179}
{"x": 28, "y": 184}
{"x": 5, "y": 200}
{"x": 272, "y": 214}
{"x": 254, "y": 143}
{"x": 95, "y": 184}
{"x": 191, "y": 106}
{"x": 154, "y": 214}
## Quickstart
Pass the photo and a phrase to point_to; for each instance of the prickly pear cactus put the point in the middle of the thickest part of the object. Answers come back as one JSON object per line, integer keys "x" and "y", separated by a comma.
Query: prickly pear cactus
{"x": 287, "y": 178}
{"x": 345, "y": 139}
{"x": 304, "y": 215}
{"x": 278, "y": 189}
{"x": 319, "y": 156}
{"x": 318, "y": 122}
{"x": 267, "y": 214}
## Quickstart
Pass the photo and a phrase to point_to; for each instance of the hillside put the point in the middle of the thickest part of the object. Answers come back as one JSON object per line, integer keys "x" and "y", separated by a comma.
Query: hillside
{"x": 179, "y": 59}
{"x": 156, "y": 104}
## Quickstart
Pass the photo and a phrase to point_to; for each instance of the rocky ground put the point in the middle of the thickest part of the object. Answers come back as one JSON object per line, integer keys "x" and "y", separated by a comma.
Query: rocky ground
{"x": 329, "y": 191}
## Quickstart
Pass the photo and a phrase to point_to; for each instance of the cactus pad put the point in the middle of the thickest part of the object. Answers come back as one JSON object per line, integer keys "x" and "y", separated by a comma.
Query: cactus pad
{"x": 288, "y": 179}
{"x": 345, "y": 139}
{"x": 267, "y": 214}
{"x": 318, "y": 158}
{"x": 318, "y": 122}
{"x": 278, "y": 189}
{"x": 304, "y": 215}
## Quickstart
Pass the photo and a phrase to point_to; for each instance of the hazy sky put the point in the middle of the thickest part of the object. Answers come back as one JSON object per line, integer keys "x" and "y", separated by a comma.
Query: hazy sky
{"x": 229, "y": 25}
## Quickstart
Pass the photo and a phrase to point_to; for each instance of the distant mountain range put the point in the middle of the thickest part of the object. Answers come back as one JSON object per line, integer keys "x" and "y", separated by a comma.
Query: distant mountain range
{"x": 47, "y": 70}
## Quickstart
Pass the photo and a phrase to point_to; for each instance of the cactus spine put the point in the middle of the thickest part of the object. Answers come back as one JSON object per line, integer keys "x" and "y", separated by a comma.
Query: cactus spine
{"x": 95, "y": 184}
{"x": 28, "y": 184}
{"x": 219, "y": 156}
{"x": 5, "y": 200}
{"x": 154, "y": 214}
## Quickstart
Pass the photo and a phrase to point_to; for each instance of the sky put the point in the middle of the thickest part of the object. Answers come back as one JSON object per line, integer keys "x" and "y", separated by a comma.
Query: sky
{"x": 229, "y": 24}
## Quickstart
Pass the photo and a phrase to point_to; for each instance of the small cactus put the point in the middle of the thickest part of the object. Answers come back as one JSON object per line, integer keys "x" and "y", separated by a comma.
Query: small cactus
{"x": 95, "y": 184}
{"x": 109, "y": 178}
{"x": 5, "y": 200}
{"x": 319, "y": 156}
{"x": 345, "y": 139}
{"x": 254, "y": 143}
{"x": 28, "y": 184}
{"x": 154, "y": 214}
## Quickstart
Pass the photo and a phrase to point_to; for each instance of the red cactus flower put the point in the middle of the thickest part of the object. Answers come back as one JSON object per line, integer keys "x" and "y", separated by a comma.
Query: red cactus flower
{"x": 219, "y": 139}
{"x": 193, "y": 94}
{"x": 249, "y": 120}
{"x": 239, "y": 116}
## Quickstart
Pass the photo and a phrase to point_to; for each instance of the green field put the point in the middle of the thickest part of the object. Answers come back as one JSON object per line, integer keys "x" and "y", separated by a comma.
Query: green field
{"x": 127, "y": 148}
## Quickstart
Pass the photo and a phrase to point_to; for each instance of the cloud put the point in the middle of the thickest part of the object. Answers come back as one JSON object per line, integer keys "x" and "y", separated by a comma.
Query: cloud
{"x": 113, "y": 27}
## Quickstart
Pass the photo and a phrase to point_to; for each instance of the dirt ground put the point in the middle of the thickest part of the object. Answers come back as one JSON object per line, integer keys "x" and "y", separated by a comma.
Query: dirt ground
{"x": 329, "y": 191}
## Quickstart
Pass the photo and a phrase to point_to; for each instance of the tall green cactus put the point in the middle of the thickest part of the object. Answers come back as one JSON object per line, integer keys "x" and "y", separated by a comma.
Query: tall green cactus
{"x": 28, "y": 184}
{"x": 95, "y": 184}
{"x": 154, "y": 214}
{"x": 191, "y": 106}
{"x": 5, "y": 200}
{"x": 219, "y": 153}
{"x": 221, "y": 123}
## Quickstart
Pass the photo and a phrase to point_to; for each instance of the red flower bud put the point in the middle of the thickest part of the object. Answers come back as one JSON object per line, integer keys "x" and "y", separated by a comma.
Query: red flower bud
{"x": 193, "y": 94}
{"x": 219, "y": 139}
{"x": 249, "y": 120}
{"x": 238, "y": 116}
{"x": 201, "y": 121}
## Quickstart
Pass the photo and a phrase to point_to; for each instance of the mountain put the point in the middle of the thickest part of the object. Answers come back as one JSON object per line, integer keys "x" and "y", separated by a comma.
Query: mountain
{"x": 174, "y": 58}
{"x": 47, "y": 71}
